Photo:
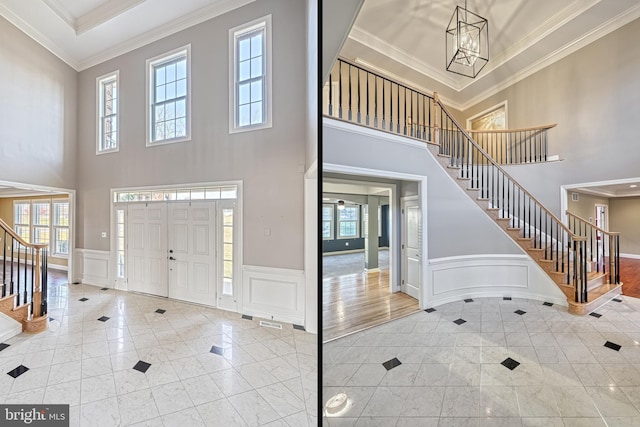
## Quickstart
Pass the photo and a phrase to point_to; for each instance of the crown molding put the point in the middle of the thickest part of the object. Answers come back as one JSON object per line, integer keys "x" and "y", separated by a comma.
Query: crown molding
{"x": 196, "y": 17}
{"x": 103, "y": 13}
{"x": 62, "y": 12}
{"x": 375, "y": 43}
{"x": 38, "y": 37}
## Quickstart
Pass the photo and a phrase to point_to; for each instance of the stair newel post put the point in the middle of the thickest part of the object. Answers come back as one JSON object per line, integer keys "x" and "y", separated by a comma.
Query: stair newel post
{"x": 37, "y": 312}
{"x": 4, "y": 265}
{"x": 435, "y": 130}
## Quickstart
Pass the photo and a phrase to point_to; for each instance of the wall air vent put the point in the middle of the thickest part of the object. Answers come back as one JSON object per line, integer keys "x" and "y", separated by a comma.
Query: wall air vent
{"x": 575, "y": 197}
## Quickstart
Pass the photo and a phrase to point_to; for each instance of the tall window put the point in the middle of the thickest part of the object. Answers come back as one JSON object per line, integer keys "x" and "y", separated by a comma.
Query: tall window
{"x": 120, "y": 243}
{"x": 227, "y": 251}
{"x": 348, "y": 220}
{"x": 22, "y": 219}
{"x": 60, "y": 244}
{"x": 37, "y": 221}
{"x": 107, "y": 87}
{"x": 168, "y": 114}
{"x": 250, "y": 76}
{"x": 327, "y": 221}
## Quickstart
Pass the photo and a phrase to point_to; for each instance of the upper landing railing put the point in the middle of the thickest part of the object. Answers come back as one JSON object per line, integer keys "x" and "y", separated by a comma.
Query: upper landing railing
{"x": 358, "y": 95}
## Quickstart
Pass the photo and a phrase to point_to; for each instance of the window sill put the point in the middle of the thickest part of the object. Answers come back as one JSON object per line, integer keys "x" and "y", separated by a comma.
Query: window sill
{"x": 250, "y": 128}
{"x": 168, "y": 141}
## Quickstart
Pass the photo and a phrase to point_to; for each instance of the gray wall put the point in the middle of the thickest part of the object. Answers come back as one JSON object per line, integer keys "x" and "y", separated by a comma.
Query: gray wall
{"x": 270, "y": 162}
{"x": 338, "y": 17}
{"x": 38, "y": 94}
{"x": 624, "y": 214}
{"x": 312, "y": 82}
{"x": 456, "y": 225}
{"x": 593, "y": 96}
{"x": 585, "y": 207}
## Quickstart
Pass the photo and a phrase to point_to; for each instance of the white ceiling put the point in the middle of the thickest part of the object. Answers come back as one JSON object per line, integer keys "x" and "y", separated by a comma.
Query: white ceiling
{"x": 407, "y": 38}
{"x": 84, "y": 33}
{"x": 622, "y": 188}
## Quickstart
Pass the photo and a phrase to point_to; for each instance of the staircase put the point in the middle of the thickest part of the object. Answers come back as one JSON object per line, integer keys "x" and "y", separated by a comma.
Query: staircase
{"x": 565, "y": 252}
{"x": 23, "y": 290}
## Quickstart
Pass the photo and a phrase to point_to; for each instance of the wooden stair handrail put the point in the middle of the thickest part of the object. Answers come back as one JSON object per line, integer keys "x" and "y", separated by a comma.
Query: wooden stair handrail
{"x": 608, "y": 233}
{"x": 534, "y": 128}
{"x": 436, "y": 99}
{"x": 6, "y": 227}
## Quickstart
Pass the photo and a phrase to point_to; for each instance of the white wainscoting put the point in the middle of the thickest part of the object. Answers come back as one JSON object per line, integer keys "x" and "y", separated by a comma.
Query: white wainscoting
{"x": 475, "y": 276}
{"x": 273, "y": 293}
{"x": 92, "y": 267}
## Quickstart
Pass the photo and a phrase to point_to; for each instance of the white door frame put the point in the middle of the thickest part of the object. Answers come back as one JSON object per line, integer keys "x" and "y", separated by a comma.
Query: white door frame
{"x": 403, "y": 239}
{"x": 238, "y": 229}
{"x": 394, "y": 259}
{"x": 604, "y": 226}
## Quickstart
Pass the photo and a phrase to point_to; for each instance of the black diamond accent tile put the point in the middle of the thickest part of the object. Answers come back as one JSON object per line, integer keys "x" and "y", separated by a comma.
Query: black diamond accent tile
{"x": 520, "y": 312}
{"x": 469, "y": 300}
{"x": 3, "y": 346}
{"x": 430, "y": 310}
{"x": 15, "y": 373}
{"x": 298, "y": 327}
{"x": 390, "y": 364}
{"x": 83, "y": 299}
{"x": 510, "y": 363}
{"x": 612, "y": 346}
{"x": 51, "y": 319}
{"x": 548, "y": 304}
{"x": 104, "y": 289}
{"x": 142, "y": 366}
{"x": 459, "y": 321}
{"x": 617, "y": 300}
{"x": 161, "y": 311}
{"x": 246, "y": 316}
{"x": 506, "y": 298}
{"x": 104, "y": 318}
{"x": 596, "y": 315}
{"x": 75, "y": 283}
{"x": 216, "y": 350}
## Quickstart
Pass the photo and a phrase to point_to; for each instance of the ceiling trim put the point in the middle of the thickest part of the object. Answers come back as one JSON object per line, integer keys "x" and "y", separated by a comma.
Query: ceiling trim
{"x": 103, "y": 13}
{"x": 37, "y": 36}
{"x": 584, "y": 187}
{"x": 363, "y": 37}
{"x": 196, "y": 17}
{"x": 62, "y": 12}
{"x": 555, "y": 56}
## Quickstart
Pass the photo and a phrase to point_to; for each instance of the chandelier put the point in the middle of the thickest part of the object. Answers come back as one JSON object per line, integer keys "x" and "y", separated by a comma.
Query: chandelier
{"x": 467, "y": 42}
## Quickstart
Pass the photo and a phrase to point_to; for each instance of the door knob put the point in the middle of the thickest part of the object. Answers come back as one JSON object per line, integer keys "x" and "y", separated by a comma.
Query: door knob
{"x": 172, "y": 258}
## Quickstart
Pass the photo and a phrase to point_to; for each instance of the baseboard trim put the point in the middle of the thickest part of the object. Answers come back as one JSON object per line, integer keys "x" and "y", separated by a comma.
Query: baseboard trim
{"x": 632, "y": 256}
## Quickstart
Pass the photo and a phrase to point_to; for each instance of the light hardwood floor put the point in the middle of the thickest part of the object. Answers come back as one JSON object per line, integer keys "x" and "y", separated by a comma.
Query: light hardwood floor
{"x": 353, "y": 299}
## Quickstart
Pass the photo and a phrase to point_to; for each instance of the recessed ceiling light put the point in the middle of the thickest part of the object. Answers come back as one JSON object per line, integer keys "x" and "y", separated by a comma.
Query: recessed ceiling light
{"x": 633, "y": 186}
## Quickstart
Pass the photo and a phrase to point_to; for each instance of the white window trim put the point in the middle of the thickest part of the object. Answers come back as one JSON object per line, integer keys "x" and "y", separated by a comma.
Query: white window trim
{"x": 333, "y": 219}
{"x": 52, "y": 232}
{"x": 234, "y": 33}
{"x": 151, "y": 62}
{"x": 99, "y": 82}
{"x": 358, "y": 222}
{"x": 51, "y": 226}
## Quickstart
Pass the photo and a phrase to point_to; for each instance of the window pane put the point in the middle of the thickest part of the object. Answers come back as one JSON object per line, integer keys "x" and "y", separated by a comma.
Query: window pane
{"x": 170, "y": 91}
{"x": 228, "y": 268}
{"x": 229, "y": 192}
{"x": 244, "y": 118}
{"x": 169, "y": 111}
{"x": 160, "y": 91}
{"x": 160, "y": 80}
{"x": 243, "y": 94}
{"x": 180, "y": 108}
{"x": 212, "y": 193}
{"x": 227, "y": 217}
{"x": 256, "y": 91}
{"x": 41, "y": 213}
{"x": 181, "y": 88}
{"x": 327, "y": 213}
{"x": 256, "y": 44}
{"x": 243, "y": 49}
{"x": 228, "y": 235}
{"x": 183, "y": 195}
{"x": 41, "y": 235}
{"x": 244, "y": 71}
{"x": 61, "y": 244}
{"x": 326, "y": 229}
{"x": 171, "y": 73}
{"x": 170, "y": 130}
{"x": 228, "y": 251}
{"x": 181, "y": 128}
{"x": 61, "y": 214}
{"x": 182, "y": 69}
{"x": 227, "y": 286}
{"x": 197, "y": 194}
{"x": 256, "y": 112}
{"x": 256, "y": 67}
{"x": 21, "y": 213}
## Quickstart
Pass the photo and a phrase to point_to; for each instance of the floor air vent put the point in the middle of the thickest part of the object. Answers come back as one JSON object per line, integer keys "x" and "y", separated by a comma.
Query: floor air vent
{"x": 270, "y": 324}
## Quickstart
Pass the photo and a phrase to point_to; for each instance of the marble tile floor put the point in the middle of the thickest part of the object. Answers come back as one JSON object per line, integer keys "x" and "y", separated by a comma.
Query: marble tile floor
{"x": 504, "y": 363}
{"x": 118, "y": 360}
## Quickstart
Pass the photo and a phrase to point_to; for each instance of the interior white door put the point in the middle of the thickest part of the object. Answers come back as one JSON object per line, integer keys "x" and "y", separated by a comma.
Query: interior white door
{"x": 411, "y": 242}
{"x": 191, "y": 252}
{"x": 146, "y": 252}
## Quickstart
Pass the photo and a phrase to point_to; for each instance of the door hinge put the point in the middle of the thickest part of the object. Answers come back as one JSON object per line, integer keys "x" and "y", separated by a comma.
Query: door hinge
{"x": 403, "y": 211}
{"x": 403, "y": 246}
{"x": 403, "y": 281}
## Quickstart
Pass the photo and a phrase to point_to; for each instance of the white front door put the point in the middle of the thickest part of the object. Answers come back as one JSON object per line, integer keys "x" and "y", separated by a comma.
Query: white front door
{"x": 191, "y": 252}
{"x": 147, "y": 249}
{"x": 411, "y": 238}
